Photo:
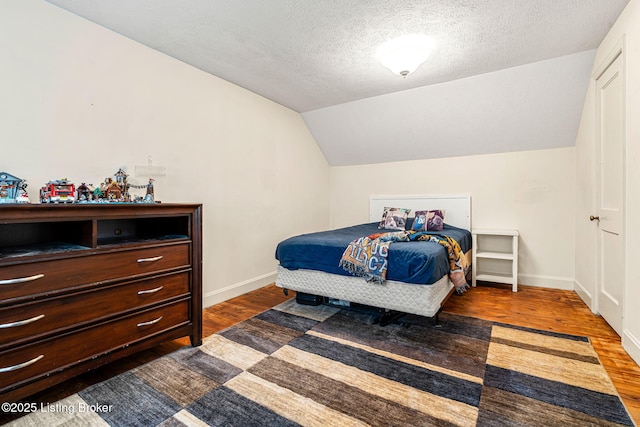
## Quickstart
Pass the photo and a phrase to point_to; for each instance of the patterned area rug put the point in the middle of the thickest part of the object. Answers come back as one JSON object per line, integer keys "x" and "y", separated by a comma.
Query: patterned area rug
{"x": 301, "y": 365}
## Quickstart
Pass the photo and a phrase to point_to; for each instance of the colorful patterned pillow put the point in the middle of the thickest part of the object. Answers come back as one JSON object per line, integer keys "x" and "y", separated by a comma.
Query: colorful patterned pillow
{"x": 429, "y": 220}
{"x": 394, "y": 218}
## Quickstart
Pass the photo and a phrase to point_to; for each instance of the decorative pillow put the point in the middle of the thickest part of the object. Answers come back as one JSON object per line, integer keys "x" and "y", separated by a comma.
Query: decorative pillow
{"x": 394, "y": 218}
{"x": 429, "y": 220}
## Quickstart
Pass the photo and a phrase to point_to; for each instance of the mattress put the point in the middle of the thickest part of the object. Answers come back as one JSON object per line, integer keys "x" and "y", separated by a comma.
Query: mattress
{"x": 408, "y": 262}
{"x": 391, "y": 295}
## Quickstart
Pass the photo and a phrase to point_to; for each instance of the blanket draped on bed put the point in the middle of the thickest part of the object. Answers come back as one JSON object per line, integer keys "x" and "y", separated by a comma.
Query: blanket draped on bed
{"x": 367, "y": 256}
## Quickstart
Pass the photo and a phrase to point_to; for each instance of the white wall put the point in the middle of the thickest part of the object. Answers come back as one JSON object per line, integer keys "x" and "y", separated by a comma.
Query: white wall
{"x": 79, "y": 101}
{"x": 532, "y": 191}
{"x": 626, "y": 31}
{"x": 529, "y": 107}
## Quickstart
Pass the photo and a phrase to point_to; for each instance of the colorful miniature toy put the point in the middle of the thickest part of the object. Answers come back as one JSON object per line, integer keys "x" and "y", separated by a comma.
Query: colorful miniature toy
{"x": 12, "y": 189}
{"x": 112, "y": 190}
{"x": 84, "y": 193}
{"x": 58, "y": 191}
{"x": 149, "y": 198}
{"x": 117, "y": 189}
{"x": 23, "y": 197}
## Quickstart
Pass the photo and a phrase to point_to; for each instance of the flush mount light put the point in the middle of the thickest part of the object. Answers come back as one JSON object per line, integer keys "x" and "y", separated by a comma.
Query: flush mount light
{"x": 403, "y": 55}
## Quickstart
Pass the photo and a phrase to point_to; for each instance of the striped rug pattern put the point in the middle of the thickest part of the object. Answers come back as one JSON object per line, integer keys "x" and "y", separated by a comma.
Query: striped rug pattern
{"x": 324, "y": 366}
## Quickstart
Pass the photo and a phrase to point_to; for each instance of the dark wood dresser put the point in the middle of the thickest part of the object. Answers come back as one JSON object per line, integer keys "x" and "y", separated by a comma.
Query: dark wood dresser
{"x": 82, "y": 285}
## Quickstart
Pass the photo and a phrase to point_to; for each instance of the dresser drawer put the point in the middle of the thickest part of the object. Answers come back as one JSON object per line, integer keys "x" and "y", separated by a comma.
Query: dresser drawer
{"x": 33, "y": 279}
{"x": 34, "y": 319}
{"x": 43, "y": 358}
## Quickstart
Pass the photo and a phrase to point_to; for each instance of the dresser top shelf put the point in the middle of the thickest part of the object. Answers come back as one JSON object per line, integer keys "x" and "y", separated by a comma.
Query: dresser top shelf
{"x": 47, "y": 229}
{"x": 79, "y": 211}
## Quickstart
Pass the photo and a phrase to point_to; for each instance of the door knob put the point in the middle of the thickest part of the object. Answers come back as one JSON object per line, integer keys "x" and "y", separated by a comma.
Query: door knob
{"x": 594, "y": 218}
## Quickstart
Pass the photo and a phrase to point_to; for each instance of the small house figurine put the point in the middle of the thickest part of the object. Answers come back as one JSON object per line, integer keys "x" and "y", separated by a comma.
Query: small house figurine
{"x": 84, "y": 193}
{"x": 121, "y": 178}
{"x": 113, "y": 191}
{"x": 12, "y": 189}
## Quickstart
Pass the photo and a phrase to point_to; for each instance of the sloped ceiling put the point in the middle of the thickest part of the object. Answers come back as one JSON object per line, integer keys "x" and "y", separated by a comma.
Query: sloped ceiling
{"x": 506, "y": 75}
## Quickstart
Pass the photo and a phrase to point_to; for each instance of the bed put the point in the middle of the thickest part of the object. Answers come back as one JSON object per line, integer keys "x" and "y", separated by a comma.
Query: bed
{"x": 413, "y": 285}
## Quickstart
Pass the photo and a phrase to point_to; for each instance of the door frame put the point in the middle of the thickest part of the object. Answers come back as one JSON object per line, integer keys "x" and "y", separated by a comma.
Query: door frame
{"x": 618, "y": 51}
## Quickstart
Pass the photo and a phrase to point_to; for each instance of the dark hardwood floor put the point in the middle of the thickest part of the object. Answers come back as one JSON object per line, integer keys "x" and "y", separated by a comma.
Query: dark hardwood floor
{"x": 540, "y": 308}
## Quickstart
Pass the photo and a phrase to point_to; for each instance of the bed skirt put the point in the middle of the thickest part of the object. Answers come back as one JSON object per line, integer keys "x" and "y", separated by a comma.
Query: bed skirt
{"x": 424, "y": 300}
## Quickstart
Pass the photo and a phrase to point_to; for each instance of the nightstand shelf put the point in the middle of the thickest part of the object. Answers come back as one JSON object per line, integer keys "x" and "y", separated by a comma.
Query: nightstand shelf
{"x": 495, "y": 247}
{"x": 494, "y": 255}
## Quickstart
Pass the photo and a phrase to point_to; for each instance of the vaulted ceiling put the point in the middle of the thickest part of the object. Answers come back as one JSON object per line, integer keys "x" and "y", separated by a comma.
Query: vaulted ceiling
{"x": 506, "y": 75}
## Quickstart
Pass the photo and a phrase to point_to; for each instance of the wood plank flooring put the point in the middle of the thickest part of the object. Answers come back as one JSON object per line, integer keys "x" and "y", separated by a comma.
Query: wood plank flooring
{"x": 540, "y": 308}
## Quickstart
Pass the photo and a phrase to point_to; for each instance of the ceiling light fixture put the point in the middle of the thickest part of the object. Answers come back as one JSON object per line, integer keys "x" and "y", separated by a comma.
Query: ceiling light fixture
{"x": 403, "y": 55}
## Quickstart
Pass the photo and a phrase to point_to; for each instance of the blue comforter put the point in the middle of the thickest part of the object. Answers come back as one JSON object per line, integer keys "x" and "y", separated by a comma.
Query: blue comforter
{"x": 410, "y": 262}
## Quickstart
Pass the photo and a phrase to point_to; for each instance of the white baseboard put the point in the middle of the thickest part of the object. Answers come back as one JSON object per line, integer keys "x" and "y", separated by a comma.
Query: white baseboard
{"x": 237, "y": 289}
{"x": 631, "y": 344}
{"x": 584, "y": 294}
{"x": 565, "y": 283}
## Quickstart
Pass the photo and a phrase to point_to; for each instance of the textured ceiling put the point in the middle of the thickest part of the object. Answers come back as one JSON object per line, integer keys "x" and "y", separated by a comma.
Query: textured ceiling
{"x": 308, "y": 55}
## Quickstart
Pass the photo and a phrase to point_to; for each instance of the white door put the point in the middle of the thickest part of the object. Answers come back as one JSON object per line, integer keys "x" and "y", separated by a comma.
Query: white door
{"x": 610, "y": 194}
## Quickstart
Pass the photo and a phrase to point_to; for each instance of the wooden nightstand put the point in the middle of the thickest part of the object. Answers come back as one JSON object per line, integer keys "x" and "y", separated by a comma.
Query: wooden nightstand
{"x": 495, "y": 247}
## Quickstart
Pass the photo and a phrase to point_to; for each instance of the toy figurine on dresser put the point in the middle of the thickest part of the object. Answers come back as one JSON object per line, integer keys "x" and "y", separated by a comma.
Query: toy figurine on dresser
{"x": 12, "y": 189}
{"x": 58, "y": 191}
{"x": 115, "y": 189}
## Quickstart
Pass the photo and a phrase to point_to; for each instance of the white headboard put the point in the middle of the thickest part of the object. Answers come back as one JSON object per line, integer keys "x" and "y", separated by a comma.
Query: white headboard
{"x": 458, "y": 207}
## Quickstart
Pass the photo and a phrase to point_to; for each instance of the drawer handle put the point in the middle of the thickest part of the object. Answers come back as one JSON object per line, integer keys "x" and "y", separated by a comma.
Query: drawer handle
{"x": 150, "y": 322}
{"x": 150, "y": 291}
{"x": 21, "y": 365}
{"x": 21, "y": 322}
{"x": 21, "y": 279}
{"x": 152, "y": 259}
